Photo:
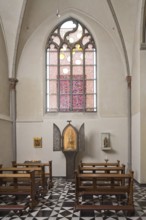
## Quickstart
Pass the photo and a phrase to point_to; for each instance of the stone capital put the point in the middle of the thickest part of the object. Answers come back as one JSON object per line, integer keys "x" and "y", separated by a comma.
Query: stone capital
{"x": 129, "y": 79}
{"x": 13, "y": 83}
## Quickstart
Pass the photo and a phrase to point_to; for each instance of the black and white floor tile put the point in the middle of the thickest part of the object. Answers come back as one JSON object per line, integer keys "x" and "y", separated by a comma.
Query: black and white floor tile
{"x": 58, "y": 203}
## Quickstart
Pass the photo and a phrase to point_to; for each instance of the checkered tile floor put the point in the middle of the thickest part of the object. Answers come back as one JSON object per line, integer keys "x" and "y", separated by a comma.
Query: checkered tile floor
{"x": 59, "y": 204}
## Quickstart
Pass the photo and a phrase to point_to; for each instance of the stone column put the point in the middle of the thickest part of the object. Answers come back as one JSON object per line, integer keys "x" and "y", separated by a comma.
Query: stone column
{"x": 13, "y": 83}
{"x": 129, "y": 124}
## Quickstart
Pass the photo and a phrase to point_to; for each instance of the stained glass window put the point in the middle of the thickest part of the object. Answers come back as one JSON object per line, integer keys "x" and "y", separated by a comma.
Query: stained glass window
{"x": 71, "y": 69}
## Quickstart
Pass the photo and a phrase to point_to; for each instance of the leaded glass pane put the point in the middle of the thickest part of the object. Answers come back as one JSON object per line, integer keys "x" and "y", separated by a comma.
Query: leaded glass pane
{"x": 78, "y": 102}
{"x": 65, "y": 102}
{"x": 77, "y": 70}
{"x": 77, "y": 58}
{"x": 90, "y": 86}
{"x": 64, "y": 86}
{"x": 64, "y": 57}
{"x": 52, "y": 100}
{"x": 65, "y": 71}
{"x": 90, "y": 74}
{"x": 85, "y": 40}
{"x": 89, "y": 58}
{"x": 52, "y": 87}
{"x": 78, "y": 85}
{"x": 53, "y": 70}
{"x": 52, "y": 58}
{"x": 90, "y": 103}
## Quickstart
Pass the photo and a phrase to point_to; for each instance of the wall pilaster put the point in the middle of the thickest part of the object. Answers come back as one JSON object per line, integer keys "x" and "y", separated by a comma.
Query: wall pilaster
{"x": 12, "y": 83}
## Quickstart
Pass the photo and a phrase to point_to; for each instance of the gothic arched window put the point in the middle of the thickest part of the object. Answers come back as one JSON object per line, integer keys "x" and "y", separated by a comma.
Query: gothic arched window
{"x": 71, "y": 69}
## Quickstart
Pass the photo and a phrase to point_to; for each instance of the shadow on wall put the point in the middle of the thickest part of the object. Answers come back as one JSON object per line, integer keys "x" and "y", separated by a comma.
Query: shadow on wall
{"x": 92, "y": 148}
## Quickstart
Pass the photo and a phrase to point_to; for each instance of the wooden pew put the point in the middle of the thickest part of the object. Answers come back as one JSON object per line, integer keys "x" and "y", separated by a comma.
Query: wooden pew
{"x": 47, "y": 170}
{"x": 23, "y": 181}
{"x": 104, "y": 167}
{"x": 112, "y": 188}
{"x": 11, "y": 189}
{"x": 100, "y": 164}
{"x": 48, "y": 173}
{"x": 100, "y": 169}
{"x": 13, "y": 207}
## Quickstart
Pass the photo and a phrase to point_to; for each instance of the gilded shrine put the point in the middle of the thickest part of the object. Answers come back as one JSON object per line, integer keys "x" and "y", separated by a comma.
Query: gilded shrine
{"x": 70, "y": 143}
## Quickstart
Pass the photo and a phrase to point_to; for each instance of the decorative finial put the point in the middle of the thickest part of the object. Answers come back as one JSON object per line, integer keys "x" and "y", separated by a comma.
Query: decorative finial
{"x": 129, "y": 78}
{"x": 69, "y": 121}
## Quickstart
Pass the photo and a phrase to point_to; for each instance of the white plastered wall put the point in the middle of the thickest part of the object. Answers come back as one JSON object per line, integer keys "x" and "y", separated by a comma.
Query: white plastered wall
{"x": 112, "y": 103}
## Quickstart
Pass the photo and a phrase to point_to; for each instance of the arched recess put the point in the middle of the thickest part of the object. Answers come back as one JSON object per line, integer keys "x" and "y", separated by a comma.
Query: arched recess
{"x": 71, "y": 67}
{"x": 42, "y": 33}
